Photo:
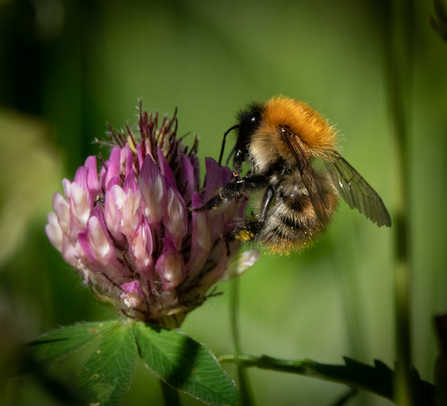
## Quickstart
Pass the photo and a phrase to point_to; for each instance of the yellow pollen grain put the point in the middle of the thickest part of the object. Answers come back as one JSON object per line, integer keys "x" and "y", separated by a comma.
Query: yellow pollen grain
{"x": 245, "y": 235}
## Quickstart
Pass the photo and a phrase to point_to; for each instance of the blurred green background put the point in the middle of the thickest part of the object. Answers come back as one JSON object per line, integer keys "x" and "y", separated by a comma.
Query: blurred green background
{"x": 69, "y": 67}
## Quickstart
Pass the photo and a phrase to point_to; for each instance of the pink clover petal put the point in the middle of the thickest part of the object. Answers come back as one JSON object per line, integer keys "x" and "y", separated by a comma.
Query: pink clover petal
{"x": 57, "y": 198}
{"x": 113, "y": 164}
{"x": 132, "y": 287}
{"x": 79, "y": 207}
{"x": 133, "y": 294}
{"x": 141, "y": 247}
{"x": 200, "y": 225}
{"x": 86, "y": 247}
{"x": 81, "y": 178}
{"x": 240, "y": 263}
{"x": 116, "y": 180}
{"x": 218, "y": 255}
{"x": 62, "y": 209}
{"x": 170, "y": 266}
{"x": 188, "y": 183}
{"x": 54, "y": 231}
{"x": 124, "y": 154}
{"x": 69, "y": 252}
{"x": 127, "y": 206}
{"x": 112, "y": 216}
{"x": 212, "y": 178}
{"x": 92, "y": 182}
{"x": 196, "y": 166}
{"x": 95, "y": 245}
{"x": 129, "y": 162}
{"x": 140, "y": 156}
{"x": 200, "y": 238}
{"x": 225, "y": 174}
{"x": 196, "y": 201}
{"x": 111, "y": 213}
{"x": 176, "y": 218}
{"x": 153, "y": 190}
{"x": 130, "y": 182}
{"x": 98, "y": 241}
{"x": 92, "y": 174}
{"x": 102, "y": 176}
{"x": 165, "y": 169}
{"x": 66, "y": 184}
{"x": 217, "y": 219}
{"x": 97, "y": 237}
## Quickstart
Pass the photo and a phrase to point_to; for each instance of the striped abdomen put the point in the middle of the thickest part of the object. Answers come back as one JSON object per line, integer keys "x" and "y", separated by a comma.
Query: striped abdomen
{"x": 291, "y": 222}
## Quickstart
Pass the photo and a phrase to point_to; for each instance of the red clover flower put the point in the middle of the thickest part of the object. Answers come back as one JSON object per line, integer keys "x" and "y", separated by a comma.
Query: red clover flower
{"x": 129, "y": 233}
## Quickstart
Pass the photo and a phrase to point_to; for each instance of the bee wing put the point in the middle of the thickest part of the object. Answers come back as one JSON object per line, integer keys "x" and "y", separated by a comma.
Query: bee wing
{"x": 311, "y": 180}
{"x": 356, "y": 191}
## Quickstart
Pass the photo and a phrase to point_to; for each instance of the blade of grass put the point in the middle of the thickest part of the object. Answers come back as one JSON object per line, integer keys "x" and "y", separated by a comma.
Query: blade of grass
{"x": 398, "y": 58}
{"x": 244, "y": 384}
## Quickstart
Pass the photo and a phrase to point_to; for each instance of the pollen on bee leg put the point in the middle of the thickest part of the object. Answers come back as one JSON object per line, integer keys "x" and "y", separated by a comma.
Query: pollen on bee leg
{"x": 245, "y": 235}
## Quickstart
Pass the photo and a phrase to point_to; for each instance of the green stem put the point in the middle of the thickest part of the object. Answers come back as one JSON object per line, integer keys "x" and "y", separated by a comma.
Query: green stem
{"x": 170, "y": 395}
{"x": 245, "y": 389}
{"x": 398, "y": 47}
{"x": 376, "y": 379}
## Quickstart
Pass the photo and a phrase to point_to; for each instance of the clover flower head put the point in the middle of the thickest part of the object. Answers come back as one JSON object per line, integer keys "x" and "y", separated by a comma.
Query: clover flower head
{"x": 129, "y": 232}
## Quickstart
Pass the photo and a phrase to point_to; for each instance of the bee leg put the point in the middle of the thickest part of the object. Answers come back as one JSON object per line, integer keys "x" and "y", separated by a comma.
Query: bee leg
{"x": 266, "y": 201}
{"x": 250, "y": 229}
{"x": 228, "y": 191}
{"x": 211, "y": 204}
{"x": 236, "y": 188}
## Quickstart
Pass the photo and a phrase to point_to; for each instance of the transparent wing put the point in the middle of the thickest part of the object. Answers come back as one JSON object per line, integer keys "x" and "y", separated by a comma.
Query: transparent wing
{"x": 356, "y": 191}
{"x": 311, "y": 180}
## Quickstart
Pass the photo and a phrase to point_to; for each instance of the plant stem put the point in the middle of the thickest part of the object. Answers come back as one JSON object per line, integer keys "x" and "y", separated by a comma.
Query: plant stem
{"x": 170, "y": 395}
{"x": 245, "y": 390}
{"x": 398, "y": 48}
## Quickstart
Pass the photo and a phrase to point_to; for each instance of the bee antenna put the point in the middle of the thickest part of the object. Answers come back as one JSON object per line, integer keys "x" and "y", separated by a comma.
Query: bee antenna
{"x": 223, "y": 143}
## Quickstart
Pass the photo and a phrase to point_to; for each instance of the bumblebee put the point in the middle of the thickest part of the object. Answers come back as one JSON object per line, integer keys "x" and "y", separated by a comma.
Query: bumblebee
{"x": 283, "y": 141}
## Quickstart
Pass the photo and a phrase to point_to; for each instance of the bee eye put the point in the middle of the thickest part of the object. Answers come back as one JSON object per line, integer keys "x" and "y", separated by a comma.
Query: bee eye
{"x": 249, "y": 121}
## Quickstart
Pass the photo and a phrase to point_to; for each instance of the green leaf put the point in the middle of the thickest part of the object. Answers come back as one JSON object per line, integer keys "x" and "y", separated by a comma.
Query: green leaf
{"x": 185, "y": 364}
{"x": 60, "y": 343}
{"x": 378, "y": 379}
{"x": 107, "y": 373}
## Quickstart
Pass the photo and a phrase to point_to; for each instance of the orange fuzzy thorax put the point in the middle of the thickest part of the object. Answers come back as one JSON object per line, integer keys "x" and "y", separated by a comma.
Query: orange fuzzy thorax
{"x": 316, "y": 137}
{"x": 313, "y": 130}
